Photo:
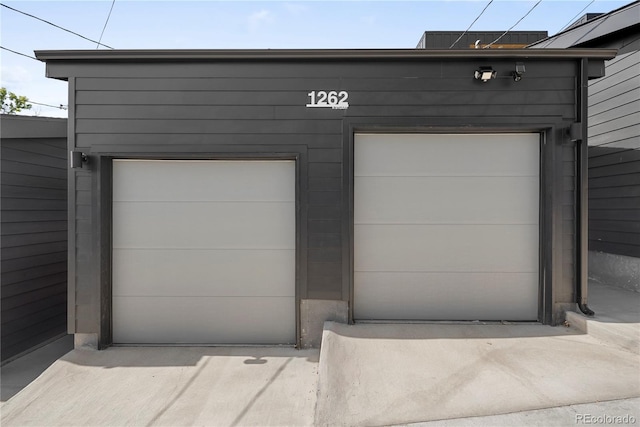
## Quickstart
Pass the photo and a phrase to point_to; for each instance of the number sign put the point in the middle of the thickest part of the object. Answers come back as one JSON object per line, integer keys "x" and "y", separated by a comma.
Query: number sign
{"x": 332, "y": 99}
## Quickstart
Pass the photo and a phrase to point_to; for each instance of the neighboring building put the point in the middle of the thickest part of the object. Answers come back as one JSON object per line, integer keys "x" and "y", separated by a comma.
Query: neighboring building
{"x": 479, "y": 39}
{"x": 34, "y": 232}
{"x": 614, "y": 143}
{"x": 245, "y": 197}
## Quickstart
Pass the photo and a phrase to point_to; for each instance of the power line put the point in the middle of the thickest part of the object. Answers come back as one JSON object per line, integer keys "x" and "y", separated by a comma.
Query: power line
{"x": 51, "y": 23}
{"x": 105, "y": 24}
{"x": 474, "y": 21}
{"x": 18, "y": 53}
{"x": 577, "y": 14}
{"x": 519, "y": 20}
{"x": 61, "y": 106}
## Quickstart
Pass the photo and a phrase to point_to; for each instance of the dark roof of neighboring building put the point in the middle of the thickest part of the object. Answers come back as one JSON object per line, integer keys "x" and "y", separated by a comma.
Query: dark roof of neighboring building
{"x": 584, "y": 18}
{"x": 467, "y": 40}
{"x": 14, "y": 126}
{"x": 582, "y": 35}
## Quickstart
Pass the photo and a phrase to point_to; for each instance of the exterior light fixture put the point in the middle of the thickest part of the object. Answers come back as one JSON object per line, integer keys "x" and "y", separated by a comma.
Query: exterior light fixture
{"x": 519, "y": 71}
{"x": 485, "y": 74}
{"x": 77, "y": 158}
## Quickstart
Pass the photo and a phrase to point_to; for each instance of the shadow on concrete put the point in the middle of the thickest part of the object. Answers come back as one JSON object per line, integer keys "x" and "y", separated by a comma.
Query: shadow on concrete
{"x": 452, "y": 331}
{"x": 177, "y": 386}
{"x": 613, "y": 304}
{"x": 17, "y": 374}
{"x": 259, "y": 393}
{"x": 242, "y": 412}
{"x": 158, "y": 356}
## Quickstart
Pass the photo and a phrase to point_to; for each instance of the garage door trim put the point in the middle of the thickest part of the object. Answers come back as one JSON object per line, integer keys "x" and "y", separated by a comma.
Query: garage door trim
{"x": 549, "y": 200}
{"x": 103, "y": 179}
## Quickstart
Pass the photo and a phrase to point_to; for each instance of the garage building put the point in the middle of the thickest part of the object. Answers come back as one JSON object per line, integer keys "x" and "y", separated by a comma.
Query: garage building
{"x": 33, "y": 238}
{"x": 245, "y": 197}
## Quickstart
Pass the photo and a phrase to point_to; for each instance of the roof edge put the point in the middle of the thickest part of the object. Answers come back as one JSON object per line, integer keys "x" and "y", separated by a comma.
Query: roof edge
{"x": 16, "y": 126}
{"x": 593, "y": 22}
{"x": 187, "y": 55}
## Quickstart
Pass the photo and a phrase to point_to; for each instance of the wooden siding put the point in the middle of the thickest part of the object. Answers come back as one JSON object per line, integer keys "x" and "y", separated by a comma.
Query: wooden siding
{"x": 614, "y": 154}
{"x": 180, "y": 109}
{"x": 34, "y": 242}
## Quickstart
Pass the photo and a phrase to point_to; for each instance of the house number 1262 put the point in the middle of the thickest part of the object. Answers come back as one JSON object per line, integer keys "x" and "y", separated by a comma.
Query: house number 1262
{"x": 331, "y": 99}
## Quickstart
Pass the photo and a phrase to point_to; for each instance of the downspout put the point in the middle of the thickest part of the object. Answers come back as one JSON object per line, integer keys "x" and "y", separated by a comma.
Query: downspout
{"x": 582, "y": 190}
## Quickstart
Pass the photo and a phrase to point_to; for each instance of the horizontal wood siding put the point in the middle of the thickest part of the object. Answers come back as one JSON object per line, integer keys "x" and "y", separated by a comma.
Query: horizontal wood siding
{"x": 34, "y": 242}
{"x": 614, "y": 154}
{"x": 137, "y": 109}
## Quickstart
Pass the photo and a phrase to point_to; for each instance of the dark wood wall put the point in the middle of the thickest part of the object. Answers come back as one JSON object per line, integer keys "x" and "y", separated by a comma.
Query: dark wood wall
{"x": 34, "y": 241}
{"x": 259, "y": 107}
{"x": 614, "y": 153}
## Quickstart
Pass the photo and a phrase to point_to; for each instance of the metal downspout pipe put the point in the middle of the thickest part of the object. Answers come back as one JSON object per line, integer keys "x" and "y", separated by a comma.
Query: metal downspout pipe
{"x": 583, "y": 191}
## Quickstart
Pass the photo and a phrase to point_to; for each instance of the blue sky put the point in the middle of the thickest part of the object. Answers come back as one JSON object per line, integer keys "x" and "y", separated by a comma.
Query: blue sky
{"x": 246, "y": 25}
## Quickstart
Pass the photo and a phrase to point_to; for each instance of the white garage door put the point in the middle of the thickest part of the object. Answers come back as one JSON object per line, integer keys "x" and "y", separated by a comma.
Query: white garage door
{"x": 203, "y": 252}
{"x": 446, "y": 227}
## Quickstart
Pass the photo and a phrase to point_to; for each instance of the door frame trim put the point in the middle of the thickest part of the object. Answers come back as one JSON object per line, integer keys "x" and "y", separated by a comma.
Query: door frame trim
{"x": 552, "y": 134}
{"x": 102, "y": 215}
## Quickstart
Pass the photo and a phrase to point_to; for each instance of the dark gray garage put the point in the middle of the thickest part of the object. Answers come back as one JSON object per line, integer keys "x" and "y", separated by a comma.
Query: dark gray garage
{"x": 34, "y": 232}
{"x": 244, "y": 197}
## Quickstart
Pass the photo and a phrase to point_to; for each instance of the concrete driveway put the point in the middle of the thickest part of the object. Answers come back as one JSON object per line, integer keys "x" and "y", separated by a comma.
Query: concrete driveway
{"x": 388, "y": 374}
{"x": 171, "y": 386}
{"x": 368, "y": 375}
{"x": 365, "y": 375}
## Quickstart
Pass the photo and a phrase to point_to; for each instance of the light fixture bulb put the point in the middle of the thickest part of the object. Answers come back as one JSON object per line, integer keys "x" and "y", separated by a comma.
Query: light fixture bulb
{"x": 485, "y": 74}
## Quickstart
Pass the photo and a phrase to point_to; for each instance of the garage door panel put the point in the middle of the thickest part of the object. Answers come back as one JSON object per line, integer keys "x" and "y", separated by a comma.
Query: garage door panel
{"x": 445, "y": 296}
{"x": 446, "y": 227}
{"x": 446, "y": 248}
{"x": 204, "y": 225}
{"x": 195, "y": 320}
{"x": 440, "y": 200}
{"x": 166, "y": 272}
{"x": 446, "y": 155}
{"x": 217, "y": 181}
{"x": 203, "y": 252}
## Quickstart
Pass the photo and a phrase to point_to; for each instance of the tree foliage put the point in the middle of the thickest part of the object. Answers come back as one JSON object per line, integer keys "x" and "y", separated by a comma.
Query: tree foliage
{"x": 12, "y": 103}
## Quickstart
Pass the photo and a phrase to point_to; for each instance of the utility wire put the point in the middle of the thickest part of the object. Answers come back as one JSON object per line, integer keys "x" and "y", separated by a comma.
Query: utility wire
{"x": 519, "y": 20}
{"x": 18, "y": 53}
{"x": 105, "y": 24}
{"x": 51, "y": 23}
{"x": 474, "y": 21}
{"x": 61, "y": 106}
{"x": 577, "y": 14}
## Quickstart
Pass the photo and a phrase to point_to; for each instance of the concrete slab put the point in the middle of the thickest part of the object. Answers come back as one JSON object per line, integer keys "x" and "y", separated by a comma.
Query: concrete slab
{"x": 19, "y": 373}
{"x": 613, "y": 304}
{"x": 386, "y": 374}
{"x": 615, "y": 412}
{"x": 371, "y": 375}
{"x": 171, "y": 386}
{"x": 617, "y": 316}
